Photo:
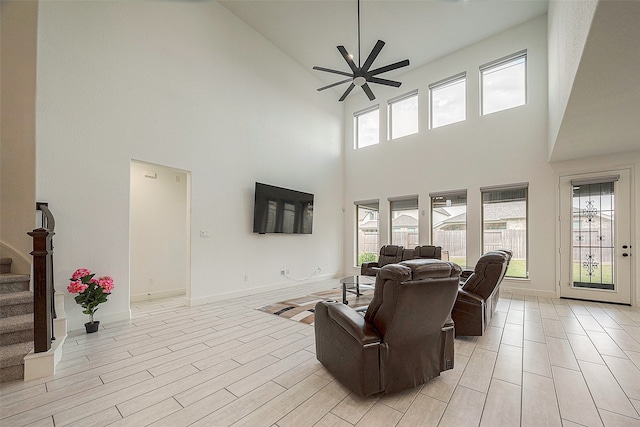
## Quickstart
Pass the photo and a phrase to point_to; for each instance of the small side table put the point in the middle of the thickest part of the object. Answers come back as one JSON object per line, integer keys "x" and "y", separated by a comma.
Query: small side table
{"x": 353, "y": 284}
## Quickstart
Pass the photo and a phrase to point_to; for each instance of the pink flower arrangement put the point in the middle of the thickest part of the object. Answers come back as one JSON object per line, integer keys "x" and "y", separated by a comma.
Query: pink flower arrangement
{"x": 91, "y": 292}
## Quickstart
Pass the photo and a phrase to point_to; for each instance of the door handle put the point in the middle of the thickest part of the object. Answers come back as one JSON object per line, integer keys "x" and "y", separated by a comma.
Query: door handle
{"x": 625, "y": 254}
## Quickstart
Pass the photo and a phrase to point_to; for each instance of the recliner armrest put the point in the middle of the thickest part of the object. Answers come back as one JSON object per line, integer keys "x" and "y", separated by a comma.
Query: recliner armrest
{"x": 464, "y": 296}
{"x": 369, "y": 268}
{"x": 353, "y": 323}
{"x": 464, "y": 275}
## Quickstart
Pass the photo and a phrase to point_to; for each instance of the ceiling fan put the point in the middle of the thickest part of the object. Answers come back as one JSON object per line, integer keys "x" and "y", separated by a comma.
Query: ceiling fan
{"x": 361, "y": 75}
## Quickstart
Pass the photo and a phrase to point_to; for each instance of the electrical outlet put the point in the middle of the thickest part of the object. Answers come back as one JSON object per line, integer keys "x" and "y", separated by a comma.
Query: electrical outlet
{"x": 286, "y": 271}
{"x": 246, "y": 277}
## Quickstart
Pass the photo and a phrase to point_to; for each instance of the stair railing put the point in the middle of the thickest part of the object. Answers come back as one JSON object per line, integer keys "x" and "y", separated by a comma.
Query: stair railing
{"x": 44, "y": 310}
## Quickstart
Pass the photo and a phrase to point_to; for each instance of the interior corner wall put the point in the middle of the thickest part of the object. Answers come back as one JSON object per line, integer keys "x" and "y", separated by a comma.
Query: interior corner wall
{"x": 188, "y": 85}
{"x": 19, "y": 28}
{"x": 159, "y": 224}
{"x": 568, "y": 27}
{"x": 505, "y": 147}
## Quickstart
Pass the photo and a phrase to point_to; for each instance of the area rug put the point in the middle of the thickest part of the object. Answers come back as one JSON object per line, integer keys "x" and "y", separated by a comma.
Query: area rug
{"x": 302, "y": 309}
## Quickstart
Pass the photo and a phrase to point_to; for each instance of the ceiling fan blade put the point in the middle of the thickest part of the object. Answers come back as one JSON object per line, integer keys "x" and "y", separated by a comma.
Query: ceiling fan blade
{"x": 373, "y": 55}
{"x": 346, "y": 92}
{"x": 384, "y": 81}
{"x": 348, "y": 58}
{"x": 329, "y": 70}
{"x": 367, "y": 90}
{"x": 335, "y": 84}
{"x": 389, "y": 67}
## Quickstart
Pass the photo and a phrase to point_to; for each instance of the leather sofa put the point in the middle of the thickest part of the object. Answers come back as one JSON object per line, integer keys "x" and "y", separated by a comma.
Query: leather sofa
{"x": 405, "y": 337}
{"x": 479, "y": 292}
{"x": 392, "y": 254}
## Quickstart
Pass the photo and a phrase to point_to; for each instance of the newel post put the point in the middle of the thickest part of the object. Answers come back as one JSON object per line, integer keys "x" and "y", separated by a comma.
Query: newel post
{"x": 41, "y": 290}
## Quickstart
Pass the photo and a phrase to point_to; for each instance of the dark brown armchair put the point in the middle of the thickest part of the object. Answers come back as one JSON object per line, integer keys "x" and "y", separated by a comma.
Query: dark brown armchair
{"x": 478, "y": 294}
{"x": 428, "y": 252}
{"x": 405, "y": 337}
{"x": 389, "y": 254}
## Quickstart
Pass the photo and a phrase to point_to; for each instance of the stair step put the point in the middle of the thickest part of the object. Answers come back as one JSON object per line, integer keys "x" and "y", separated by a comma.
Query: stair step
{"x": 16, "y": 323}
{"x": 16, "y": 303}
{"x": 5, "y": 265}
{"x": 12, "y": 361}
{"x": 11, "y": 282}
{"x": 16, "y": 329}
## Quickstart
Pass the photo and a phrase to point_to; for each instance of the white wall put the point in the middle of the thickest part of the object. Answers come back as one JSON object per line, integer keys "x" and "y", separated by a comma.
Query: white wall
{"x": 17, "y": 130}
{"x": 159, "y": 222}
{"x": 568, "y": 27}
{"x": 500, "y": 148}
{"x": 184, "y": 84}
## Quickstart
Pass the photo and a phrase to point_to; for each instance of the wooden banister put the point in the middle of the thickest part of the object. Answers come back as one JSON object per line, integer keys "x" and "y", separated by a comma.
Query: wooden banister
{"x": 43, "y": 289}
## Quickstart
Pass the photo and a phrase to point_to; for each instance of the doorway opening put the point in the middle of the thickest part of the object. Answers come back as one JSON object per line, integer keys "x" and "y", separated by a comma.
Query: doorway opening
{"x": 159, "y": 232}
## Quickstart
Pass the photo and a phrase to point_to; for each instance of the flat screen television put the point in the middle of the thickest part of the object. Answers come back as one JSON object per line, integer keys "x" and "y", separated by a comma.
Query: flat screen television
{"x": 280, "y": 210}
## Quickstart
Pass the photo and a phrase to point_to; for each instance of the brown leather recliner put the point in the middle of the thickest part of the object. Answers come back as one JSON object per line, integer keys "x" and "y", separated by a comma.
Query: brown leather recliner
{"x": 405, "y": 337}
{"x": 478, "y": 294}
{"x": 428, "y": 251}
{"x": 389, "y": 254}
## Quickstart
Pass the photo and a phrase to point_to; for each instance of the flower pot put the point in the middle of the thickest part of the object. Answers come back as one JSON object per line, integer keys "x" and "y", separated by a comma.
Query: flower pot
{"x": 92, "y": 327}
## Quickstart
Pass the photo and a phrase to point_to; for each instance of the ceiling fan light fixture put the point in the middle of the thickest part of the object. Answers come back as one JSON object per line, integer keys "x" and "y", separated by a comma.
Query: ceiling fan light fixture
{"x": 360, "y": 75}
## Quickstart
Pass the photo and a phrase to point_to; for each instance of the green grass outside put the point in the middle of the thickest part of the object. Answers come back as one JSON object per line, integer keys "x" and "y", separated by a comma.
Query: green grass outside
{"x": 517, "y": 267}
{"x": 461, "y": 261}
{"x": 605, "y": 269}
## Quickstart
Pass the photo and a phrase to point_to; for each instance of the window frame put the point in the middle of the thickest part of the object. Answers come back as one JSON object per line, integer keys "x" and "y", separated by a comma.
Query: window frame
{"x": 366, "y": 204}
{"x": 408, "y": 95}
{"x": 441, "y": 84}
{"x": 498, "y": 63}
{"x": 356, "y": 127}
{"x": 444, "y": 194}
{"x": 519, "y": 186}
{"x": 406, "y": 199}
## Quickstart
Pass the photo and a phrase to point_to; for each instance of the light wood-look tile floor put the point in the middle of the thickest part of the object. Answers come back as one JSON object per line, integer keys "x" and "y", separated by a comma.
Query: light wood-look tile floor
{"x": 542, "y": 362}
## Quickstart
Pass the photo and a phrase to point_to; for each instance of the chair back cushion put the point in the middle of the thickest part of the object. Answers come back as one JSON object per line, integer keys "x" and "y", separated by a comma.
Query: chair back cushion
{"x": 488, "y": 273}
{"x": 390, "y": 254}
{"x": 412, "y": 301}
{"x": 428, "y": 251}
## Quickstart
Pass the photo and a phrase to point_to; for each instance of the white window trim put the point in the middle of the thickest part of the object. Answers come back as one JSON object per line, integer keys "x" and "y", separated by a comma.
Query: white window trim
{"x": 355, "y": 123}
{"x": 498, "y": 62}
{"x": 440, "y": 84}
{"x": 521, "y": 185}
{"x": 390, "y": 114}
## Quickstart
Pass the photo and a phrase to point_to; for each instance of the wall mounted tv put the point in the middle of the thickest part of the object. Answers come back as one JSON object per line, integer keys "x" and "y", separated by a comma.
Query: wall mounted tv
{"x": 280, "y": 210}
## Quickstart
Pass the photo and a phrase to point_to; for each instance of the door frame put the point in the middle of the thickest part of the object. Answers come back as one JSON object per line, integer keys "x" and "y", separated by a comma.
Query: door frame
{"x": 565, "y": 255}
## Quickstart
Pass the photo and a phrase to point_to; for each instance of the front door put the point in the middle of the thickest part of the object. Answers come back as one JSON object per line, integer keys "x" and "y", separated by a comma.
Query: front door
{"x": 595, "y": 237}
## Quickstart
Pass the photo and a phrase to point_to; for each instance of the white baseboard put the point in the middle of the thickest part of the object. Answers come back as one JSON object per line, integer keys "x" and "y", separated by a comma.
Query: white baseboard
{"x": 157, "y": 295}
{"x": 255, "y": 290}
{"x": 527, "y": 292}
{"x": 103, "y": 318}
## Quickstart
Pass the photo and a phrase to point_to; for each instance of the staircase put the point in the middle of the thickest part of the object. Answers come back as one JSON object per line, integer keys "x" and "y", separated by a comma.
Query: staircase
{"x": 16, "y": 322}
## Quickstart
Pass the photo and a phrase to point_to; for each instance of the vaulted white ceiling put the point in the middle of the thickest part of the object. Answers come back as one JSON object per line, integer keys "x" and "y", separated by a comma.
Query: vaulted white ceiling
{"x": 419, "y": 30}
{"x": 601, "y": 116}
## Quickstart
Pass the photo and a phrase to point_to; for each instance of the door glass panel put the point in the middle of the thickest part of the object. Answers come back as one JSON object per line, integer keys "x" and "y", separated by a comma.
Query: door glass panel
{"x": 593, "y": 236}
